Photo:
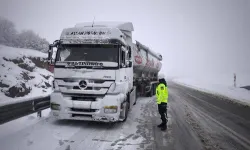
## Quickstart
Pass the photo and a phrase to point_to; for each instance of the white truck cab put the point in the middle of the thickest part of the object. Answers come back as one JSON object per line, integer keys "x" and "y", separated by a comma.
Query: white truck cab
{"x": 94, "y": 77}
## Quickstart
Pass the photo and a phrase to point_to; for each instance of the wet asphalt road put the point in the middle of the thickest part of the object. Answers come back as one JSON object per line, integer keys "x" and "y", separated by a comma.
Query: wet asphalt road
{"x": 204, "y": 121}
{"x": 197, "y": 121}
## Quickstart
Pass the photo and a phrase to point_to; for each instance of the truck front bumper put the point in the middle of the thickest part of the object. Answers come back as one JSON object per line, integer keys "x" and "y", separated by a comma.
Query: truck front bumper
{"x": 106, "y": 109}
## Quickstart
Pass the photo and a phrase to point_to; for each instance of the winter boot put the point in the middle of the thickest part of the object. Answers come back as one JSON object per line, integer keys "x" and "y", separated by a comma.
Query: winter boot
{"x": 160, "y": 125}
{"x": 164, "y": 127}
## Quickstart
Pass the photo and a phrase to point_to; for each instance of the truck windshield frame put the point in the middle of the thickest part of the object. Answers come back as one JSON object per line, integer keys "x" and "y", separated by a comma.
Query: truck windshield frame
{"x": 88, "y": 53}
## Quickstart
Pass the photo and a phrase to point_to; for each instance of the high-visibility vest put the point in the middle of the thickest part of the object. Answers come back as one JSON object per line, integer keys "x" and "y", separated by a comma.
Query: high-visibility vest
{"x": 161, "y": 94}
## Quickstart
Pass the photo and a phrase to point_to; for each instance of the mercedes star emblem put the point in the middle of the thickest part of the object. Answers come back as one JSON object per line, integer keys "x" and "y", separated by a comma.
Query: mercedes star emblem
{"x": 83, "y": 84}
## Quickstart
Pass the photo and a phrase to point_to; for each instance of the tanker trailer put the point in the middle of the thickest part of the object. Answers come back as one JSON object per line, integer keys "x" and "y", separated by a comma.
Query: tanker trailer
{"x": 146, "y": 65}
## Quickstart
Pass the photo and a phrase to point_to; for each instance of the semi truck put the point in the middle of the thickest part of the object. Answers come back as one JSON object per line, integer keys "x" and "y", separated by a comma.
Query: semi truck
{"x": 99, "y": 72}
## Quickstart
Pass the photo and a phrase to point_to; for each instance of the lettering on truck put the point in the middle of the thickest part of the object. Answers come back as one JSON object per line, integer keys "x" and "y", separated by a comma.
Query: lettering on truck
{"x": 88, "y": 33}
{"x": 150, "y": 63}
{"x": 138, "y": 59}
{"x": 75, "y": 63}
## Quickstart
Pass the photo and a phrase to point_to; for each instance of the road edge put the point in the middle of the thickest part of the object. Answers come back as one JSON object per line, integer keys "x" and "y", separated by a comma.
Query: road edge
{"x": 217, "y": 95}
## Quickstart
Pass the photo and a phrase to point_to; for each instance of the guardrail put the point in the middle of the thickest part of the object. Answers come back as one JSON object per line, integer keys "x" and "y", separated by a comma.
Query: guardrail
{"x": 14, "y": 110}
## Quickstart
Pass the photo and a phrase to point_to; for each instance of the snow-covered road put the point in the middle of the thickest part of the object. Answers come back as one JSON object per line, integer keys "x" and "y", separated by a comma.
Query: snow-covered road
{"x": 196, "y": 121}
{"x": 51, "y": 134}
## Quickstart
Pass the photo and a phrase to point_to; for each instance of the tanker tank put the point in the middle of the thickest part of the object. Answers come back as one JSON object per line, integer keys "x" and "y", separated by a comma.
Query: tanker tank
{"x": 146, "y": 62}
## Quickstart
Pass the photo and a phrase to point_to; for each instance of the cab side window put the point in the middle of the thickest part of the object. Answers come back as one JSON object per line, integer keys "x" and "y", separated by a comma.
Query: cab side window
{"x": 123, "y": 58}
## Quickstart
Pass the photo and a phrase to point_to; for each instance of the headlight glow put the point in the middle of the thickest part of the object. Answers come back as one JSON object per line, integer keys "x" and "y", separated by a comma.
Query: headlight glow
{"x": 55, "y": 106}
{"x": 110, "y": 109}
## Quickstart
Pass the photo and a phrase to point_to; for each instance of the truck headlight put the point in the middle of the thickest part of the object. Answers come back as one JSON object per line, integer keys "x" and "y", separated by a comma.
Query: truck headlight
{"x": 110, "y": 109}
{"x": 55, "y": 106}
{"x": 116, "y": 88}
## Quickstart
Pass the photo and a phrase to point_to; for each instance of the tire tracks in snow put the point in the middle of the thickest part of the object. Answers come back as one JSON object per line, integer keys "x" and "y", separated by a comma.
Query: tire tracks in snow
{"x": 107, "y": 136}
{"x": 154, "y": 138}
{"x": 218, "y": 126}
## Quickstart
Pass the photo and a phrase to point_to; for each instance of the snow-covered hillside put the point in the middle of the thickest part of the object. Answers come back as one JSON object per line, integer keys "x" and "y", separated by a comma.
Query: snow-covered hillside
{"x": 22, "y": 73}
{"x": 220, "y": 85}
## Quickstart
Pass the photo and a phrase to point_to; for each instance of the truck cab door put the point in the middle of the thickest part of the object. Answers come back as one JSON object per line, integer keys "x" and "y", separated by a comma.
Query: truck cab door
{"x": 129, "y": 69}
{"x": 126, "y": 69}
{"x": 123, "y": 67}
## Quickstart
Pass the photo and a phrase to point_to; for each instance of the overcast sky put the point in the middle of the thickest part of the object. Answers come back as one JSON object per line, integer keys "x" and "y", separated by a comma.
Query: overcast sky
{"x": 194, "y": 36}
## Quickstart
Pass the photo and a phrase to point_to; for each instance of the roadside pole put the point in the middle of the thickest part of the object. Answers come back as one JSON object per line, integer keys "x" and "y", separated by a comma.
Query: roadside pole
{"x": 234, "y": 80}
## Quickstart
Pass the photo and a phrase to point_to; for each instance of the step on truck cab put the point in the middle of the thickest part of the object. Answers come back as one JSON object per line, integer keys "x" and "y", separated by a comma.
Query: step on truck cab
{"x": 98, "y": 71}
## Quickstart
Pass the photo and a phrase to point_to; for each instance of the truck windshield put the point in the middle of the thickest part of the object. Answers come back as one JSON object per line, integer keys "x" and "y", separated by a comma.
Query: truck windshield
{"x": 91, "y": 52}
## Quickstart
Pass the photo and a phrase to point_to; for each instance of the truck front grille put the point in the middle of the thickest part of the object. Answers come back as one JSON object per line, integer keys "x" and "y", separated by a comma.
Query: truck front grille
{"x": 81, "y": 115}
{"x": 78, "y": 88}
{"x": 88, "y": 88}
{"x": 83, "y": 110}
{"x": 83, "y": 98}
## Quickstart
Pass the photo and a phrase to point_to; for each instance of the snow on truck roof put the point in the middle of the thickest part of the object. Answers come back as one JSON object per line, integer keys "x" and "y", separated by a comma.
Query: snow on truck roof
{"x": 91, "y": 35}
{"x": 126, "y": 26}
{"x": 141, "y": 46}
{"x": 112, "y": 28}
{"x": 90, "y": 32}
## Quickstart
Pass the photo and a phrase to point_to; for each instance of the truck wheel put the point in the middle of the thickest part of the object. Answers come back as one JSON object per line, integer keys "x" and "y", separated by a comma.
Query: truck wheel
{"x": 152, "y": 92}
{"x": 135, "y": 101}
{"x": 154, "y": 88}
{"x": 125, "y": 113}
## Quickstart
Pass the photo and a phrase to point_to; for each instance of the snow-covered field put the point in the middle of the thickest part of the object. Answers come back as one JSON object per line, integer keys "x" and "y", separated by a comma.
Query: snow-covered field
{"x": 22, "y": 74}
{"x": 220, "y": 85}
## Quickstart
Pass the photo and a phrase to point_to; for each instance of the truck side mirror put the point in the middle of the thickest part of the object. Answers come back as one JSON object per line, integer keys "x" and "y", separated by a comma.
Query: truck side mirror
{"x": 50, "y": 51}
{"x": 51, "y": 46}
{"x": 129, "y": 63}
{"x": 129, "y": 52}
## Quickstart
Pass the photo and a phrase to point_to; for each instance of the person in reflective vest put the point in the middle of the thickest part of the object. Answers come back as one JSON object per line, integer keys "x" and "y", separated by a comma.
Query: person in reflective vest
{"x": 162, "y": 101}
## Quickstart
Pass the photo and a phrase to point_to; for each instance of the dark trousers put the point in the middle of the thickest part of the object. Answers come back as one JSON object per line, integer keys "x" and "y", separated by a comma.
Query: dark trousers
{"x": 162, "y": 108}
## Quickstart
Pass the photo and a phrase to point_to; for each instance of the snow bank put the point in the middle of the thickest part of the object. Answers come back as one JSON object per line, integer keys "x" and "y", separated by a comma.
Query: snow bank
{"x": 17, "y": 125}
{"x": 218, "y": 86}
{"x": 23, "y": 74}
{"x": 11, "y": 52}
